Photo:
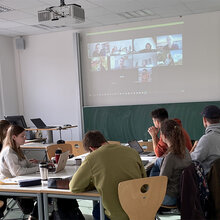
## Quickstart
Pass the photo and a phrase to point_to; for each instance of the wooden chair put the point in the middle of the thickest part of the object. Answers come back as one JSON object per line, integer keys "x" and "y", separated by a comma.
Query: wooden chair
{"x": 149, "y": 145}
{"x": 77, "y": 148}
{"x": 114, "y": 142}
{"x": 141, "y": 198}
{"x": 214, "y": 188}
{"x": 52, "y": 148}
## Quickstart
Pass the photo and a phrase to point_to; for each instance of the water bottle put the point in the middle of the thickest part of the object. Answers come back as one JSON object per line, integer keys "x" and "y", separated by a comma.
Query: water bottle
{"x": 57, "y": 155}
{"x": 43, "y": 166}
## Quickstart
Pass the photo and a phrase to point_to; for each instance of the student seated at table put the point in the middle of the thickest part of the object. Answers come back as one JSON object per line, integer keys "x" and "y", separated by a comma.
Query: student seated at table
{"x": 207, "y": 150}
{"x": 158, "y": 116}
{"x": 160, "y": 148}
{"x": 4, "y": 125}
{"x": 104, "y": 168}
{"x": 177, "y": 158}
{"x": 13, "y": 163}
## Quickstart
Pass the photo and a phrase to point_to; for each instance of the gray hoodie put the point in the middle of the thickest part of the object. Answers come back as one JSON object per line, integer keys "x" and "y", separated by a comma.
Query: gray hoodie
{"x": 208, "y": 147}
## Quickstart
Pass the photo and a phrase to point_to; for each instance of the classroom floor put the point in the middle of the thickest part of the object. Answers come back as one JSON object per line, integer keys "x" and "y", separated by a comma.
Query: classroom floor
{"x": 85, "y": 207}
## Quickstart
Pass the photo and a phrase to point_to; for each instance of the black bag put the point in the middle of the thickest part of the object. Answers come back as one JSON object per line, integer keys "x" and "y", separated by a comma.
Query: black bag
{"x": 25, "y": 204}
{"x": 68, "y": 209}
{"x": 59, "y": 183}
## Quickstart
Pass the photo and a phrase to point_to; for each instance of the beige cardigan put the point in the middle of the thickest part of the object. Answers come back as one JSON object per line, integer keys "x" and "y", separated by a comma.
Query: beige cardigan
{"x": 11, "y": 166}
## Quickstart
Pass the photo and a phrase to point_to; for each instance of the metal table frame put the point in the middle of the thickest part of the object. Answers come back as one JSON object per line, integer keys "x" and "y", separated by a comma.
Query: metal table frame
{"x": 59, "y": 194}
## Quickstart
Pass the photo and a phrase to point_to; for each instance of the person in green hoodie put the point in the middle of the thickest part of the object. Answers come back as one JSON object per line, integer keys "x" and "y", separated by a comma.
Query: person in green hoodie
{"x": 103, "y": 169}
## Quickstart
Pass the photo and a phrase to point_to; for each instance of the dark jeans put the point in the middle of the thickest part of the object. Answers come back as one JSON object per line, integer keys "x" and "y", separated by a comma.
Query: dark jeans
{"x": 28, "y": 206}
{"x": 96, "y": 212}
{"x": 169, "y": 201}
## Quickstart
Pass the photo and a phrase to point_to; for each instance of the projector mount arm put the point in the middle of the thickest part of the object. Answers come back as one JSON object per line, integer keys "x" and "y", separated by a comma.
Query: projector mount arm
{"x": 62, "y": 3}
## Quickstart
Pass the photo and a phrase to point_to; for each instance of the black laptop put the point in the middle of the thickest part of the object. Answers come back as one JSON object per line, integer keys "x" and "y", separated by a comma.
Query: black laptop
{"x": 40, "y": 124}
{"x": 134, "y": 144}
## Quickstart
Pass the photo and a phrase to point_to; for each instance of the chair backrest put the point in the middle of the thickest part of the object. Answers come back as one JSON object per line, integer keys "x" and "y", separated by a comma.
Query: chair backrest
{"x": 77, "y": 148}
{"x": 141, "y": 198}
{"x": 214, "y": 188}
{"x": 193, "y": 193}
{"x": 114, "y": 142}
{"x": 52, "y": 148}
{"x": 149, "y": 145}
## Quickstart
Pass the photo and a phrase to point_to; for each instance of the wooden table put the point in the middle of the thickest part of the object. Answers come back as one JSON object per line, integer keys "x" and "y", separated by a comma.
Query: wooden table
{"x": 50, "y": 131}
{"x": 42, "y": 192}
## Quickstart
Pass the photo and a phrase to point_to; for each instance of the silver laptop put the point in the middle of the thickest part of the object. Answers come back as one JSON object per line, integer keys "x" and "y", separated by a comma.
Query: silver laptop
{"x": 134, "y": 144}
{"x": 62, "y": 162}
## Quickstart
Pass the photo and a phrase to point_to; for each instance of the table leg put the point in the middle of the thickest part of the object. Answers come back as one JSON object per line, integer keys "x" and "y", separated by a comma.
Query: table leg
{"x": 40, "y": 208}
{"x": 45, "y": 202}
{"x": 102, "y": 214}
{"x": 50, "y": 136}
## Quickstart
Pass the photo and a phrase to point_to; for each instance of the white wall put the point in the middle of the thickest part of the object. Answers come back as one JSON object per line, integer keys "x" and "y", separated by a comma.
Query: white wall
{"x": 48, "y": 86}
{"x": 8, "y": 85}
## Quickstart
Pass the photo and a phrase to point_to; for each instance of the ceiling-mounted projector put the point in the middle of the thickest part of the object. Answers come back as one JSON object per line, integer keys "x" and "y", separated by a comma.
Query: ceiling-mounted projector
{"x": 63, "y": 14}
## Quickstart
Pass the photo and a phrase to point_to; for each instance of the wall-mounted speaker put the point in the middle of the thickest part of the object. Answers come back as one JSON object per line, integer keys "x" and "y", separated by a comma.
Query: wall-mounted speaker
{"x": 20, "y": 43}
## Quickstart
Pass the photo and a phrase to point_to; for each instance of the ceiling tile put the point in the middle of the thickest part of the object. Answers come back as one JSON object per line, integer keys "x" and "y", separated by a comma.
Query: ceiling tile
{"x": 158, "y": 3}
{"x": 14, "y": 15}
{"x": 98, "y": 11}
{"x": 28, "y": 29}
{"x": 128, "y": 6}
{"x": 174, "y": 10}
{"x": 108, "y": 19}
{"x": 33, "y": 11}
{"x": 9, "y": 33}
{"x": 19, "y": 4}
{"x": 9, "y": 24}
{"x": 203, "y": 5}
{"x": 29, "y": 21}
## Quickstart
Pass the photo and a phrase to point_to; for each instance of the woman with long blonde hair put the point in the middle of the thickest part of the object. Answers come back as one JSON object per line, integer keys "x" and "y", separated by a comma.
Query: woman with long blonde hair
{"x": 14, "y": 163}
{"x": 177, "y": 158}
{"x": 12, "y": 160}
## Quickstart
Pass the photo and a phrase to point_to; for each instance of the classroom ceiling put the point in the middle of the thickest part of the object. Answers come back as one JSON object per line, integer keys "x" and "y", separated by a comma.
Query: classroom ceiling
{"x": 22, "y": 18}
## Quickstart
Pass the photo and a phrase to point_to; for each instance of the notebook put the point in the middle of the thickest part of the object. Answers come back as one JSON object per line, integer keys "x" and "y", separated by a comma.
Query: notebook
{"x": 40, "y": 124}
{"x": 134, "y": 144}
{"x": 62, "y": 162}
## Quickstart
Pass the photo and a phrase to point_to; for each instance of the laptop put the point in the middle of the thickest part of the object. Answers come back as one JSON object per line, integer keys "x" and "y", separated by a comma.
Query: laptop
{"x": 134, "y": 144}
{"x": 62, "y": 162}
{"x": 40, "y": 124}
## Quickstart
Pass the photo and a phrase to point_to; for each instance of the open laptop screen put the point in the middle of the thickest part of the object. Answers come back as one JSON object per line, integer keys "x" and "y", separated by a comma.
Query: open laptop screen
{"x": 134, "y": 144}
{"x": 38, "y": 123}
{"x": 17, "y": 120}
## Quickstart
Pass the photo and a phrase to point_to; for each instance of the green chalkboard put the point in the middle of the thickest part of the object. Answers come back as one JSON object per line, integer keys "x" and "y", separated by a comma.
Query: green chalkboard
{"x": 124, "y": 123}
